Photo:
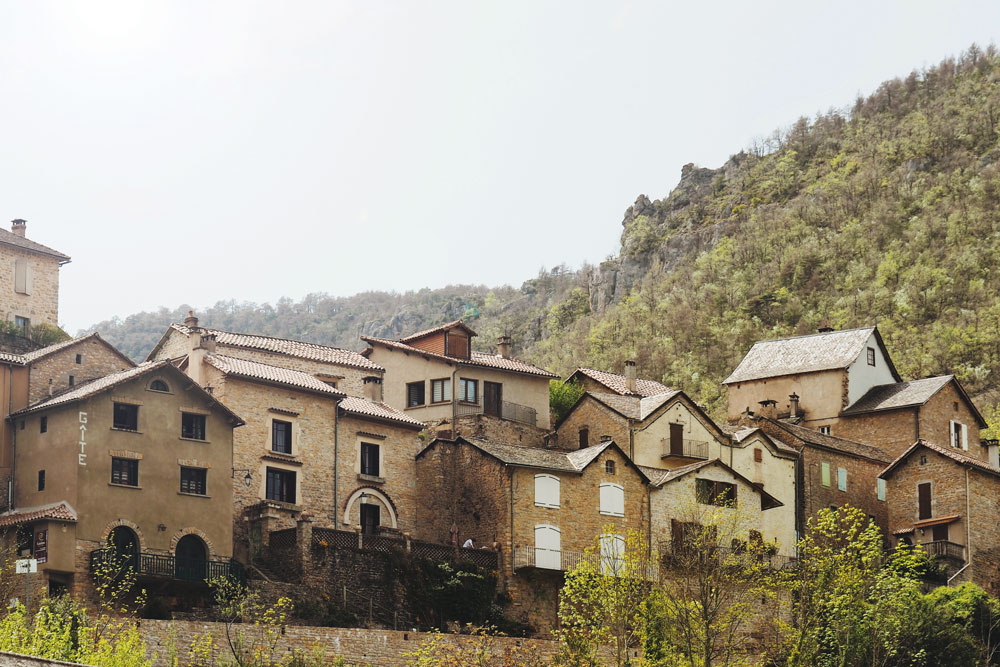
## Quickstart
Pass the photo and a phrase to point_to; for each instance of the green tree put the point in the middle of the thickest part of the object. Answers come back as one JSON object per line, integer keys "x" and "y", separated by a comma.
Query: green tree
{"x": 562, "y": 397}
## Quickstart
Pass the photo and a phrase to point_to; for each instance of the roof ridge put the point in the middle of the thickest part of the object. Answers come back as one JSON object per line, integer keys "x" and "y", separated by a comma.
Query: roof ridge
{"x": 815, "y": 333}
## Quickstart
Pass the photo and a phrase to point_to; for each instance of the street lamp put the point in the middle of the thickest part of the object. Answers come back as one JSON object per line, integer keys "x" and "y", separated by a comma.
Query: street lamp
{"x": 247, "y": 478}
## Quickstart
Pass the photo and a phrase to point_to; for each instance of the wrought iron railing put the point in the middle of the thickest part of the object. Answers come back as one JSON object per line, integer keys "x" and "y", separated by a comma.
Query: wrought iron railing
{"x": 945, "y": 549}
{"x": 169, "y": 567}
{"x": 681, "y": 556}
{"x": 327, "y": 538}
{"x": 514, "y": 412}
{"x": 692, "y": 449}
{"x": 546, "y": 559}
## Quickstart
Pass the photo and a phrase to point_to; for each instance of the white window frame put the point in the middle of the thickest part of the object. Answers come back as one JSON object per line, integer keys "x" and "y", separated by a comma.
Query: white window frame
{"x": 547, "y": 491}
{"x": 951, "y": 435}
{"x": 612, "y": 499}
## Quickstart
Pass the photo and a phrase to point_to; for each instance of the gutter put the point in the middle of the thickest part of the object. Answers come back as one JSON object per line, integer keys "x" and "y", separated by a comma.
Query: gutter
{"x": 13, "y": 430}
{"x": 336, "y": 470}
{"x": 968, "y": 531}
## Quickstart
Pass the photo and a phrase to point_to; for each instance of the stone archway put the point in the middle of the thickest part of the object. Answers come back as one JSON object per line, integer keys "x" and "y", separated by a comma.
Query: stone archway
{"x": 373, "y": 493}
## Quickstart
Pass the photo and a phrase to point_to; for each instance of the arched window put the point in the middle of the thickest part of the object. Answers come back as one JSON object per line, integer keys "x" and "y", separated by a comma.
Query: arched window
{"x": 159, "y": 385}
{"x": 125, "y": 544}
{"x": 547, "y": 491}
{"x": 191, "y": 558}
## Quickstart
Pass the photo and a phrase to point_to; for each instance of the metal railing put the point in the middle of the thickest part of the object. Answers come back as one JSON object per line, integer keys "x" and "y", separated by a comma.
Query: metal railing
{"x": 327, "y": 538}
{"x": 687, "y": 556}
{"x": 692, "y": 449}
{"x": 945, "y": 549}
{"x": 170, "y": 567}
{"x": 546, "y": 559}
{"x": 513, "y": 412}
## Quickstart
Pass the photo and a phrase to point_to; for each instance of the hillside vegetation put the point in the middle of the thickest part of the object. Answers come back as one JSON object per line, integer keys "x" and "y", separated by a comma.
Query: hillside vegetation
{"x": 886, "y": 213}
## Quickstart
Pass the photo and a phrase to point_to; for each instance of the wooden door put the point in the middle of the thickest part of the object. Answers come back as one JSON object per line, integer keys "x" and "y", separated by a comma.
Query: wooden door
{"x": 677, "y": 439}
{"x": 370, "y": 519}
{"x": 924, "y": 500}
{"x": 493, "y": 398}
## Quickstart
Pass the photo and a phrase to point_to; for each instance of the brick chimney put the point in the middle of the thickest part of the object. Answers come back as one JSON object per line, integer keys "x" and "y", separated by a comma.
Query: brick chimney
{"x": 768, "y": 408}
{"x": 793, "y": 405}
{"x": 373, "y": 388}
{"x": 18, "y": 227}
{"x": 630, "y": 381}
{"x": 503, "y": 346}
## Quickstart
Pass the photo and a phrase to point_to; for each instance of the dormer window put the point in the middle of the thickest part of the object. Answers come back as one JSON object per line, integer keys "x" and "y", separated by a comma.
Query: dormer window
{"x": 871, "y": 356}
{"x": 456, "y": 344}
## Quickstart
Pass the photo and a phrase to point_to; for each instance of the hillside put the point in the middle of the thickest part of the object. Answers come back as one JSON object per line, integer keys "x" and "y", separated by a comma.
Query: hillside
{"x": 886, "y": 213}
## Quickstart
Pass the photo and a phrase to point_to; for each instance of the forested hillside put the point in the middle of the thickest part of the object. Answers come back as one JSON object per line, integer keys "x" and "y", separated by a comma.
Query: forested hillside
{"x": 884, "y": 213}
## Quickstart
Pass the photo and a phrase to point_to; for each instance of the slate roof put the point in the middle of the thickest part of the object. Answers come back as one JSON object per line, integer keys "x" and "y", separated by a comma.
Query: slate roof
{"x": 907, "y": 394}
{"x": 658, "y": 477}
{"x": 804, "y": 354}
{"x": 365, "y": 408}
{"x": 41, "y": 353}
{"x": 740, "y": 433}
{"x": 813, "y": 437}
{"x": 633, "y": 406}
{"x": 444, "y": 327}
{"x": 618, "y": 384}
{"x": 292, "y": 348}
{"x": 956, "y": 455}
{"x": 12, "y": 239}
{"x": 60, "y": 511}
{"x": 478, "y": 358}
{"x": 254, "y": 370}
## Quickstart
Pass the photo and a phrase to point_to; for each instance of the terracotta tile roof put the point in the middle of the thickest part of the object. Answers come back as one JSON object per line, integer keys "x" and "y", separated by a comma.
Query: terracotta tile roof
{"x": 292, "y": 348}
{"x": 619, "y": 384}
{"x": 633, "y": 407}
{"x": 10, "y": 238}
{"x": 954, "y": 454}
{"x": 444, "y": 327}
{"x": 35, "y": 355}
{"x": 898, "y": 395}
{"x": 12, "y": 359}
{"x": 802, "y": 354}
{"x": 813, "y": 437}
{"x": 478, "y": 358}
{"x": 365, "y": 408}
{"x": 254, "y": 370}
{"x": 60, "y": 511}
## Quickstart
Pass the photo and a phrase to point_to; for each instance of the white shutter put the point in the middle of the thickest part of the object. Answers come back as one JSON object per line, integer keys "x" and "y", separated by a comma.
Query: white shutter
{"x": 951, "y": 433}
{"x": 28, "y": 279}
{"x": 20, "y": 275}
{"x": 880, "y": 488}
{"x": 548, "y": 551}
{"x": 842, "y": 479}
{"x": 547, "y": 491}
{"x": 612, "y": 499}
{"x": 965, "y": 437}
{"x": 612, "y": 553}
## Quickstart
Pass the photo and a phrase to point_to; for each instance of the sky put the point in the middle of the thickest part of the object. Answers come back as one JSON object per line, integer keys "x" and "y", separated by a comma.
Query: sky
{"x": 197, "y": 151}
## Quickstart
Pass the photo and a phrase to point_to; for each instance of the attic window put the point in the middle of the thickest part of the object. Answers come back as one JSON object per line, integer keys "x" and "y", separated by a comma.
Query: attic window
{"x": 79, "y": 358}
{"x": 159, "y": 385}
{"x": 825, "y": 430}
{"x": 609, "y": 467}
{"x": 758, "y": 456}
{"x": 871, "y": 356}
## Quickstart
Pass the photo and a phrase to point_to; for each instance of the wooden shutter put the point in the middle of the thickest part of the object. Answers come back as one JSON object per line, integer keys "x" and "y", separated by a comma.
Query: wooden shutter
{"x": 612, "y": 499}
{"x": 584, "y": 437}
{"x": 21, "y": 275}
{"x": 825, "y": 470}
{"x": 965, "y": 437}
{"x": 758, "y": 456}
{"x": 677, "y": 439}
{"x": 548, "y": 549}
{"x": 924, "y": 500}
{"x": 951, "y": 433}
{"x": 842, "y": 479}
{"x": 880, "y": 488}
{"x": 547, "y": 490}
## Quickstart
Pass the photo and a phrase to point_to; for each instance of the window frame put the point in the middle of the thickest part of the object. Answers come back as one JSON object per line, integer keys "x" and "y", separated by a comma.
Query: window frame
{"x": 463, "y": 385}
{"x": 132, "y": 409}
{"x": 367, "y": 446}
{"x": 41, "y": 480}
{"x": 282, "y": 475}
{"x": 274, "y": 443}
{"x": 609, "y": 467}
{"x": 202, "y": 482}
{"x": 445, "y": 384}
{"x": 153, "y": 387}
{"x": 193, "y": 434}
{"x": 710, "y": 491}
{"x": 411, "y": 386}
{"x": 43, "y": 424}
{"x": 871, "y": 357}
{"x": 584, "y": 435}
{"x": 126, "y": 471}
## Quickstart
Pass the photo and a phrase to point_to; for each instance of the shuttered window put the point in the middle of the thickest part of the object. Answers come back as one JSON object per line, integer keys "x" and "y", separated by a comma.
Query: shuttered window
{"x": 584, "y": 437}
{"x": 880, "y": 488}
{"x": 440, "y": 390}
{"x": 548, "y": 547}
{"x": 842, "y": 479}
{"x": 612, "y": 554}
{"x": 825, "y": 472}
{"x": 547, "y": 491}
{"x": 924, "y": 500}
{"x": 612, "y": 499}
{"x": 22, "y": 276}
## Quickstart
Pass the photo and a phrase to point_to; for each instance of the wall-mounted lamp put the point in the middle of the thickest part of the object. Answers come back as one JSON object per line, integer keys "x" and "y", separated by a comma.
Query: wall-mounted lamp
{"x": 247, "y": 478}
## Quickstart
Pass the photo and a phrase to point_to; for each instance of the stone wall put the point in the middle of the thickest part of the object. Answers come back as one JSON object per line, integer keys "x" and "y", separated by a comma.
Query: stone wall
{"x": 600, "y": 422}
{"x": 892, "y": 431}
{"x": 861, "y": 485}
{"x": 97, "y": 359}
{"x": 42, "y": 305}
{"x": 17, "y": 660}
{"x": 497, "y": 430}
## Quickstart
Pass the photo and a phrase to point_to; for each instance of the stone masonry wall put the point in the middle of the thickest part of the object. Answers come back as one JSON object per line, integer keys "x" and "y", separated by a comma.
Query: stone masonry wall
{"x": 500, "y": 430}
{"x": 984, "y": 507}
{"x": 892, "y": 431}
{"x": 943, "y": 407}
{"x": 97, "y": 359}
{"x": 861, "y": 485}
{"x": 42, "y": 305}
{"x": 598, "y": 419}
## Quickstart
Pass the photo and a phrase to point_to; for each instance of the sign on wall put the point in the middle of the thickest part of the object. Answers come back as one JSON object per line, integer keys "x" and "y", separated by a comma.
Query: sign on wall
{"x": 82, "y": 456}
{"x": 41, "y": 551}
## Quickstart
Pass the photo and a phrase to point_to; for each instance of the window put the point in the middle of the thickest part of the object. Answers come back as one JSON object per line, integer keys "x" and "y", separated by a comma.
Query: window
{"x": 22, "y": 276}
{"x": 370, "y": 518}
{"x": 825, "y": 472}
{"x": 41, "y": 480}
{"x": 758, "y": 455}
{"x": 468, "y": 390}
{"x": 547, "y": 491}
{"x": 711, "y": 492}
{"x": 825, "y": 430}
{"x": 612, "y": 553}
{"x": 192, "y": 426}
{"x": 43, "y": 424}
{"x": 939, "y": 533}
{"x": 871, "y": 356}
{"x": 842, "y": 479}
{"x": 126, "y": 417}
{"x": 924, "y": 500}
{"x": 193, "y": 480}
{"x": 440, "y": 390}
{"x": 609, "y": 467}
{"x": 959, "y": 435}
{"x": 548, "y": 547}
{"x": 281, "y": 437}
{"x": 79, "y": 358}
{"x": 369, "y": 459}
{"x": 72, "y": 380}
{"x": 280, "y": 485}
{"x": 159, "y": 385}
{"x": 612, "y": 499}
{"x": 880, "y": 489}
{"x": 584, "y": 437}
{"x": 125, "y": 471}
{"x": 414, "y": 394}
{"x": 22, "y": 323}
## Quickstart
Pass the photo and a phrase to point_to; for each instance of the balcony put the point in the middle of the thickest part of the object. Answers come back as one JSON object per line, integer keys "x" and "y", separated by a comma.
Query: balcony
{"x": 163, "y": 566}
{"x": 546, "y": 559}
{"x": 686, "y": 557}
{"x": 691, "y": 449}
{"x": 513, "y": 412}
{"x": 946, "y": 550}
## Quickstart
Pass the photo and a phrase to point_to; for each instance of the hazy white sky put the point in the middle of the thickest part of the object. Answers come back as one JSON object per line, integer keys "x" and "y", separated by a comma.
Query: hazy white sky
{"x": 196, "y": 151}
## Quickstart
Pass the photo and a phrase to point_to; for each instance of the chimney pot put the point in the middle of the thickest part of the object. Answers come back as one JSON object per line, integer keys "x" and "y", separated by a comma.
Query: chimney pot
{"x": 208, "y": 342}
{"x": 768, "y": 408}
{"x": 191, "y": 321}
{"x": 373, "y": 388}
{"x": 630, "y": 379}
{"x": 793, "y": 405}
{"x": 18, "y": 226}
{"x": 503, "y": 346}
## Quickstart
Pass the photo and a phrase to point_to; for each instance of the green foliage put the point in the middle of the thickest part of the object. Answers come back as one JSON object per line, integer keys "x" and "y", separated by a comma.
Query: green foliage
{"x": 438, "y": 591}
{"x": 562, "y": 397}
{"x": 253, "y": 627}
{"x": 482, "y": 651}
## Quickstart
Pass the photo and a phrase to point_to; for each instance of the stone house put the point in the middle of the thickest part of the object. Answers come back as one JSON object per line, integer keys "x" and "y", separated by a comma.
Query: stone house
{"x": 626, "y": 384}
{"x": 344, "y": 370}
{"x": 542, "y": 509}
{"x": 947, "y": 501}
{"x": 31, "y": 272}
{"x": 436, "y": 377}
{"x": 678, "y": 498}
{"x": 137, "y": 459}
{"x": 307, "y": 449}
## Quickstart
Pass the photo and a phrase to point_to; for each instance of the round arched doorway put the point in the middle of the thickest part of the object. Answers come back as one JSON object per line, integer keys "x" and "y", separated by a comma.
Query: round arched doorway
{"x": 123, "y": 541}
{"x": 191, "y": 558}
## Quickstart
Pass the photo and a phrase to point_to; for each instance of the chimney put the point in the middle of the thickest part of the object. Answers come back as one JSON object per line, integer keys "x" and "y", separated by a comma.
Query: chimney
{"x": 793, "y": 405}
{"x": 503, "y": 346}
{"x": 824, "y": 328}
{"x": 768, "y": 408}
{"x": 630, "y": 382}
{"x": 18, "y": 226}
{"x": 191, "y": 321}
{"x": 208, "y": 342}
{"x": 373, "y": 388}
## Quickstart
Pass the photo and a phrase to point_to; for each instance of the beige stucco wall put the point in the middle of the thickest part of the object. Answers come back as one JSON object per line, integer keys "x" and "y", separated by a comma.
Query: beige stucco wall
{"x": 401, "y": 369}
{"x": 861, "y": 377}
{"x": 650, "y": 435}
{"x": 821, "y": 394}
{"x": 42, "y": 304}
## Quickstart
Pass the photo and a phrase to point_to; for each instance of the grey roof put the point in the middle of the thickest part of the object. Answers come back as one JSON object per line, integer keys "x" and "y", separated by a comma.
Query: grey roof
{"x": 12, "y": 239}
{"x": 254, "y": 370}
{"x": 619, "y": 384}
{"x": 802, "y": 354}
{"x": 658, "y": 477}
{"x": 950, "y": 452}
{"x": 364, "y": 408}
{"x": 633, "y": 406}
{"x": 41, "y": 353}
{"x": 812, "y": 437}
{"x": 477, "y": 358}
{"x": 541, "y": 459}
{"x": 739, "y": 434}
